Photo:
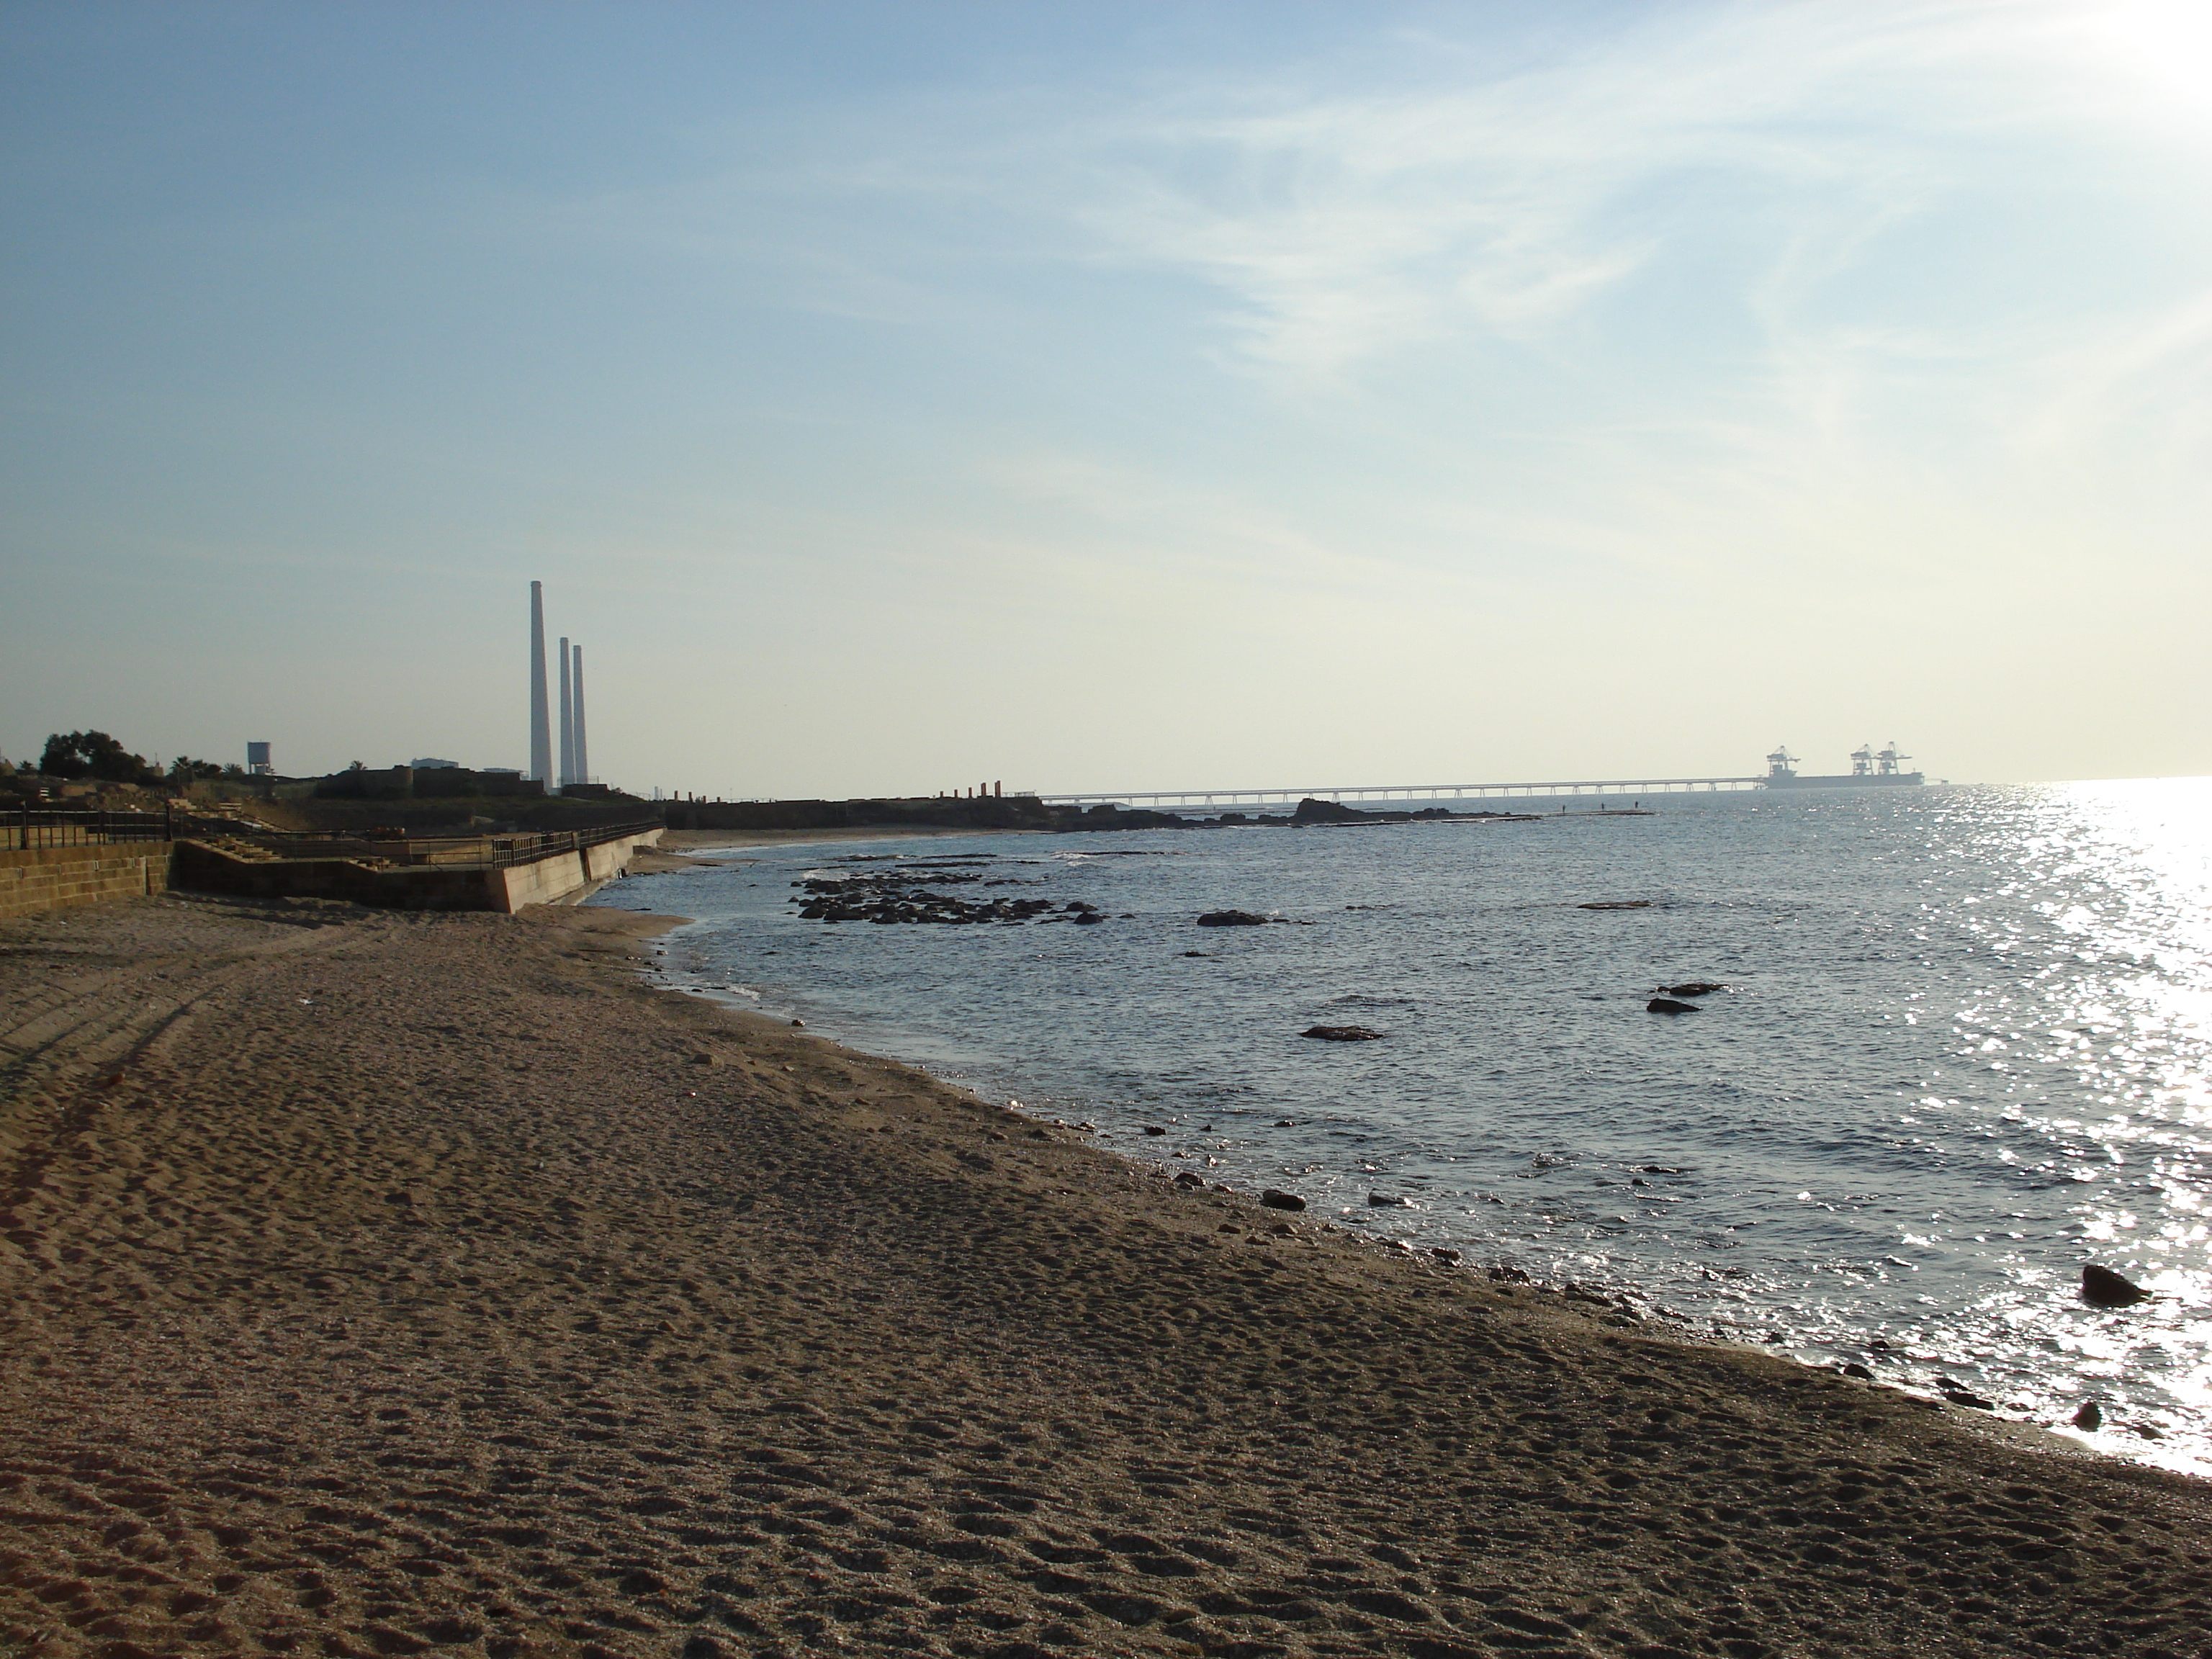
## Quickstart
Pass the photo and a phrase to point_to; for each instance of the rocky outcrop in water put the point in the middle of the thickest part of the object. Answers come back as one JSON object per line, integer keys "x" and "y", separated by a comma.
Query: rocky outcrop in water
{"x": 2103, "y": 1288}
{"x": 906, "y": 896}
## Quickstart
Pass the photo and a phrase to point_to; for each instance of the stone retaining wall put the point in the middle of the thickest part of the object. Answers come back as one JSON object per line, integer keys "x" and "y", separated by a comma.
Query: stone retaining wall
{"x": 57, "y": 877}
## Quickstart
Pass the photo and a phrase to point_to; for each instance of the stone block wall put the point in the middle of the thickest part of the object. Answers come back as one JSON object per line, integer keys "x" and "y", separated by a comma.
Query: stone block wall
{"x": 57, "y": 877}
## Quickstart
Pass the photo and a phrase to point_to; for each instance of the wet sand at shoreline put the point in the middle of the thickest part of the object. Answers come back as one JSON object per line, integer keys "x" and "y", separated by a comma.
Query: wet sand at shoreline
{"x": 377, "y": 1283}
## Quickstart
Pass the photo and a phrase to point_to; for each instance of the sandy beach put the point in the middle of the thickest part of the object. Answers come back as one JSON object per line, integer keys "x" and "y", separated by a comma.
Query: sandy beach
{"x": 384, "y": 1283}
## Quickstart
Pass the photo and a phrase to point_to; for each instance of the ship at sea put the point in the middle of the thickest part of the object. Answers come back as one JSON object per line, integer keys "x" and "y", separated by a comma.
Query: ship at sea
{"x": 1870, "y": 768}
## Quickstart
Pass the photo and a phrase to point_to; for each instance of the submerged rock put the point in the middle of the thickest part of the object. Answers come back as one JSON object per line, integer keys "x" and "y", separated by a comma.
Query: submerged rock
{"x": 2103, "y": 1288}
{"x": 1341, "y": 1033}
{"x": 1668, "y": 1005}
{"x": 1232, "y": 918}
{"x": 1695, "y": 987}
{"x": 1616, "y": 904}
{"x": 1388, "y": 1201}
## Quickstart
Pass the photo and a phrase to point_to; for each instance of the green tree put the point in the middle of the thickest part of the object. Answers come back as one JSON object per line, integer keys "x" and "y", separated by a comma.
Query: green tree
{"x": 93, "y": 755}
{"x": 185, "y": 770}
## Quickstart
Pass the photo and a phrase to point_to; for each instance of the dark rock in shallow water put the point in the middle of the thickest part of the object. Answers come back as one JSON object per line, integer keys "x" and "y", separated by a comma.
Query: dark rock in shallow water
{"x": 1668, "y": 1005}
{"x": 1232, "y": 918}
{"x": 1388, "y": 1201}
{"x": 2089, "y": 1417}
{"x": 1188, "y": 1179}
{"x": 1341, "y": 1033}
{"x": 1280, "y": 1201}
{"x": 1616, "y": 904}
{"x": 1088, "y": 918}
{"x": 1154, "y": 1129}
{"x": 2103, "y": 1288}
{"x": 1695, "y": 987}
{"x": 1958, "y": 1396}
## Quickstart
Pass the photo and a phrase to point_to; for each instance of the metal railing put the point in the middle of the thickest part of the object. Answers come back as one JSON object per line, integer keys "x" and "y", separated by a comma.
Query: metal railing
{"x": 32, "y": 826}
{"x": 29, "y": 827}
{"x": 498, "y": 852}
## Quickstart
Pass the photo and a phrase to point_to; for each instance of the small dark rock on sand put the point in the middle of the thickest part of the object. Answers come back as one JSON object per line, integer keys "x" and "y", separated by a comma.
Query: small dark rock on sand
{"x": 1341, "y": 1033}
{"x": 1856, "y": 1369}
{"x": 1280, "y": 1201}
{"x": 1232, "y": 918}
{"x": 1187, "y": 1179}
{"x": 2103, "y": 1288}
{"x": 1695, "y": 987}
{"x": 1958, "y": 1396}
{"x": 1668, "y": 1005}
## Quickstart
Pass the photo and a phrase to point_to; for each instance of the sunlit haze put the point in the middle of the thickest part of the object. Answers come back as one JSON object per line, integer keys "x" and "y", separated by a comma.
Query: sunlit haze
{"x": 894, "y": 397}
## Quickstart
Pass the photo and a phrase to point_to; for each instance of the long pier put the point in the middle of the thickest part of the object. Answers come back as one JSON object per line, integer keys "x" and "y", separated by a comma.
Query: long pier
{"x": 1555, "y": 789}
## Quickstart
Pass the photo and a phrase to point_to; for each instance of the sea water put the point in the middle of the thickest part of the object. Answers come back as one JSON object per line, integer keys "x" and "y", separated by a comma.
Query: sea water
{"x": 1962, "y": 1051}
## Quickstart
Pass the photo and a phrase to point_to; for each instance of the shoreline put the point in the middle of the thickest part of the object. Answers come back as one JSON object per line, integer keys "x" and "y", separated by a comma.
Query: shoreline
{"x": 1658, "y": 1322}
{"x": 388, "y": 1282}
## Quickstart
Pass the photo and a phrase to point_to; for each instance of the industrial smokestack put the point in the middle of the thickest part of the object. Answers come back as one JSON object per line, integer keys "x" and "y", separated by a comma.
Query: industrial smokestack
{"x": 567, "y": 722}
{"x": 541, "y": 729}
{"x": 576, "y": 691}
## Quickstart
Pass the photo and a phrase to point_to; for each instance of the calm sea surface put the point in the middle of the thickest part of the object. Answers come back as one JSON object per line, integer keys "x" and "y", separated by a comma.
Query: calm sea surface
{"x": 1964, "y": 1051}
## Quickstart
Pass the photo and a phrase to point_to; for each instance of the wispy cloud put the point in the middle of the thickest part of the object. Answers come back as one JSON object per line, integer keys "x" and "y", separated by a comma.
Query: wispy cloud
{"x": 1343, "y": 226}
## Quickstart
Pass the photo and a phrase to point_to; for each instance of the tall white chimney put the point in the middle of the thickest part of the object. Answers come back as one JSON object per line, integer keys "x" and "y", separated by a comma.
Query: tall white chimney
{"x": 576, "y": 692}
{"x": 541, "y": 731}
{"x": 568, "y": 723}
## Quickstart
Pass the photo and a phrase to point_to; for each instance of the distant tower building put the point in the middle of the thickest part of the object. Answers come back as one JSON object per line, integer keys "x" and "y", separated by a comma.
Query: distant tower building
{"x": 258, "y": 761}
{"x": 576, "y": 692}
{"x": 567, "y": 722}
{"x": 541, "y": 726}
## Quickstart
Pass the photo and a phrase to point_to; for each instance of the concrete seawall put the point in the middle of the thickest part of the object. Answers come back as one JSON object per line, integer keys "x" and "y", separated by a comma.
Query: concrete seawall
{"x": 561, "y": 878}
{"x": 59, "y": 877}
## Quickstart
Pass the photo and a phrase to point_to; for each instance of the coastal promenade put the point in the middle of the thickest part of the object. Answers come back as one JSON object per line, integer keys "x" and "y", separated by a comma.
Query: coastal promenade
{"x": 383, "y": 1283}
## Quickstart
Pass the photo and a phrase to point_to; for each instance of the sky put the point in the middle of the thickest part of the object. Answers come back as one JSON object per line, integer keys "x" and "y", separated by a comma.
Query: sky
{"x": 1112, "y": 395}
